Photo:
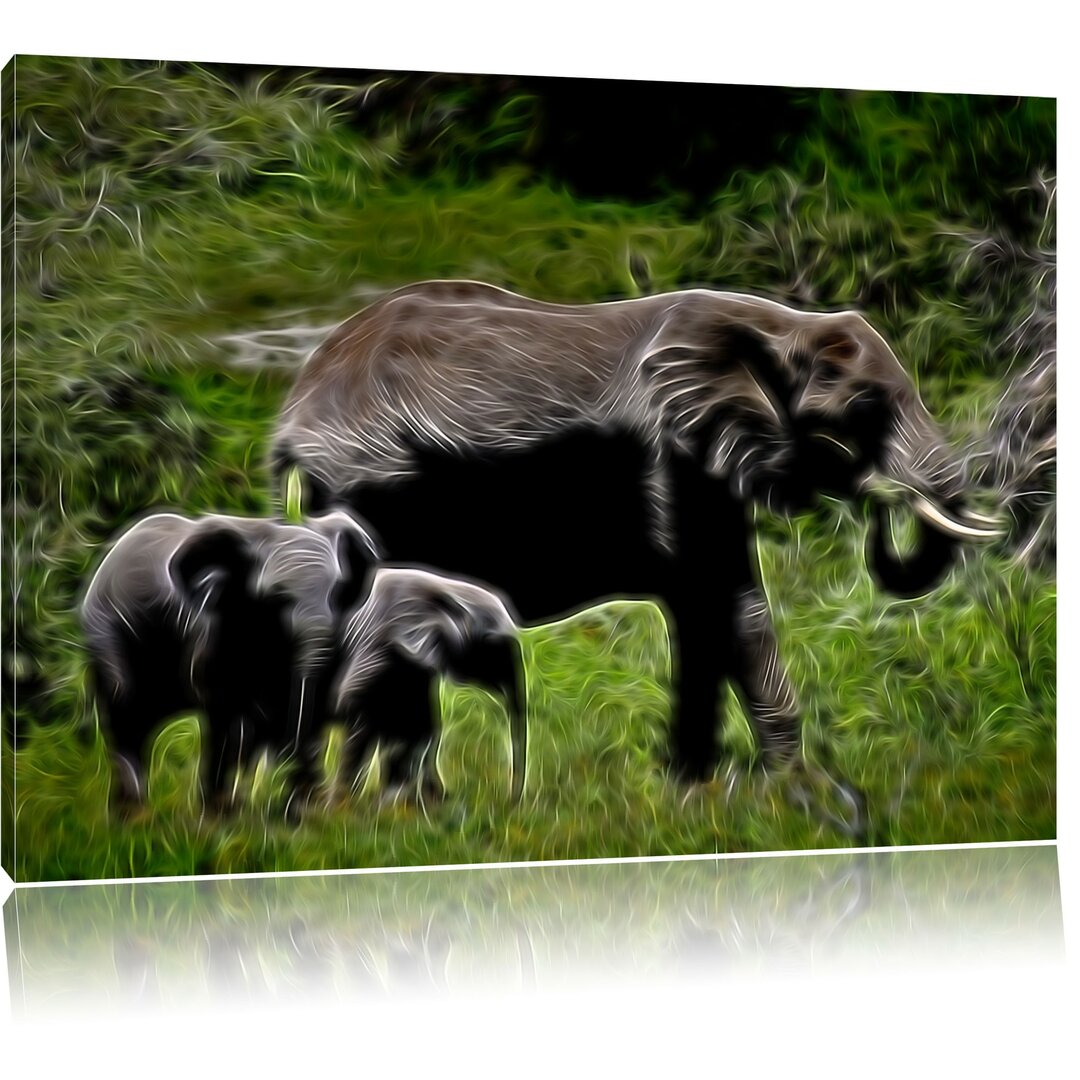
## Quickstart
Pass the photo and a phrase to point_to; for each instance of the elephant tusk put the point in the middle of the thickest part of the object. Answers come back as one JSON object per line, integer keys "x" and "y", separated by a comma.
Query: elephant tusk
{"x": 300, "y": 712}
{"x": 933, "y": 515}
{"x": 981, "y": 527}
{"x": 982, "y": 519}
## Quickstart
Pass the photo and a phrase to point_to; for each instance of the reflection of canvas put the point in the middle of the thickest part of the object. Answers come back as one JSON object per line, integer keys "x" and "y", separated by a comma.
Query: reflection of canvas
{"x": 105, "y": 948}
{"x": 724, "y": 486}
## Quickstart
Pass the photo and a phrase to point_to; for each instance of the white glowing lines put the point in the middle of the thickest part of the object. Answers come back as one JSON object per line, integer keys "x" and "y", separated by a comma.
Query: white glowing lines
{"x": 426, "y": 614}
{"x": 163, "y": 579}
{"x": 934, "y": 516}
{"x": 477, "y": 368}
{"x": 434, "y": 620}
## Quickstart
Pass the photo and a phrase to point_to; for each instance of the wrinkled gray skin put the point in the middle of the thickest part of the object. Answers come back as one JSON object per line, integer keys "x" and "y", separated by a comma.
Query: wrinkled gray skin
{"x": 753, "y": 401}
{"x": 238, "y": 618}
{"x": 414, "y": 626}
{"x": 672, "y": 415}
{"x": 746, "y": 384}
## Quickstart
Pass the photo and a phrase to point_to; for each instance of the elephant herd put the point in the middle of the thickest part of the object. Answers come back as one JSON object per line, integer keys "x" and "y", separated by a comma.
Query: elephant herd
{"x": 548, "y": 457}
{"x": 270, "y": 627}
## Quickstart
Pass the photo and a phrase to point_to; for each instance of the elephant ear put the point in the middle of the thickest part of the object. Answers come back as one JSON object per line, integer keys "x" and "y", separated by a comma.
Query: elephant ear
{"x": 357, "y": 555}
{"x": 825, "y": 367}
{"x": 436, "y": 633}
{"x": 212, "y": 560}
{"x": 725, "y": 398}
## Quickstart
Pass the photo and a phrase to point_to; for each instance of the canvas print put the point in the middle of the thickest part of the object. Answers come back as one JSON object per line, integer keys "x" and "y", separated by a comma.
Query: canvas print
{"x": 421, "y": 469}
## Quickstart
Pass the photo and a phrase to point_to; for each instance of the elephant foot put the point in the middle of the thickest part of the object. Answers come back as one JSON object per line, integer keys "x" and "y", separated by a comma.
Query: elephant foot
{"x": 222, "y": 804}
{"x": 720, "y": 786}
{"x": 336, "y": 800}
{"x": 429, "y": 783}
{"x": 823, "y": 793}
{"x": 303, "y": 801}
{"x": 691, "y": 775}
{"x": 430, "y": 793}
{"x": 423, "y": 793}
{"x": 692, "y": 768}
{"x": 395, "y": 795}
{"x": 127, "y": 810}
{"x": 127, "y": 794}
{"x": 221, "y": 797}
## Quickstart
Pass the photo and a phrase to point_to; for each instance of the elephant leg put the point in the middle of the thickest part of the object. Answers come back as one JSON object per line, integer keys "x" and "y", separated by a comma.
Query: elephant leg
{"x": 775, "y": 716}
{"x": 128, "y": 790}
{"x": 307, "y": 770}
{"x": 411, "y": 771}
{"x": 708, "y": 564}
{"x": 403, "y": 708}
{"x": 223, "y": 758}
{"x": 762, "y": 681}
{"x": 127, "y": 740}
{"x": 307, "y": 776}
{"x": 360, "y": 746}
{"x": 702, "y": 659}
{"x": 306, "y": 744}
{"x": 430, "y": 784}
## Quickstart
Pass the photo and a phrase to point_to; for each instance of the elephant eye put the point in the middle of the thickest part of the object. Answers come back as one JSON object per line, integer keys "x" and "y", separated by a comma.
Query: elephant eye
{"x": 830, "y": 372}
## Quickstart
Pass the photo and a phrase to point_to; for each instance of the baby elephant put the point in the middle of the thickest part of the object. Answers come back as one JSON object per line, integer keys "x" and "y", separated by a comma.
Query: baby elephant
{"x": 240, "y": 618}
{"x": 414, "y": 625}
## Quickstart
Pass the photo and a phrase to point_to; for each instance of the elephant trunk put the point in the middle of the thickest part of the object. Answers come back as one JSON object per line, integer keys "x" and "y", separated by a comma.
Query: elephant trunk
{"x": 314, "y": 659}
{"x": 315, "y": 653}
{"x": 516, "y": 705}
{"x": 918, "y": 572}
{"x": 919, "y": 469}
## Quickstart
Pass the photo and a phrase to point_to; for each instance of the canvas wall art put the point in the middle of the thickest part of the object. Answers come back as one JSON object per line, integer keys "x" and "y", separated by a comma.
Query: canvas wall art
{"x": 423, "y": 469}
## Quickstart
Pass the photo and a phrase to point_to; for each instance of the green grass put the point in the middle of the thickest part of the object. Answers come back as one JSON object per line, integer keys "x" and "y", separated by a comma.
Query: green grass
{"x": 264, "y": 209}
{"x": 943, "y": 712}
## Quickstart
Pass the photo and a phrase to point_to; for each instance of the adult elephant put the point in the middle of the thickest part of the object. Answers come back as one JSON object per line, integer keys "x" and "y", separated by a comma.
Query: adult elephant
{"x": 567, "y": 454}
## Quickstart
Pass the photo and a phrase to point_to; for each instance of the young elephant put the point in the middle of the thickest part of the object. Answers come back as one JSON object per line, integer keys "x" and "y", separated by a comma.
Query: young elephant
{"x": 240, "y": 618}
{"x": 413, "y": 626}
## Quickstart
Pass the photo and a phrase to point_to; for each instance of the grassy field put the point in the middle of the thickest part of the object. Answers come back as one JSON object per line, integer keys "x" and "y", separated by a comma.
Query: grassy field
{"x": 166, "y": 217}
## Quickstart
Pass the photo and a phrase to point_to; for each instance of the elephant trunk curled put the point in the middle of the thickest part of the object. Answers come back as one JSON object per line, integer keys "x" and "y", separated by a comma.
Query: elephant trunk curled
{"x": 919, "y": 468}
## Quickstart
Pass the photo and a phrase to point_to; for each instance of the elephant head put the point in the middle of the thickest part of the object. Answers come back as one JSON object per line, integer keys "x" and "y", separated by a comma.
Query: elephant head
{"x": 808, "y": 404}
{"x": 259, "y": 578}
{"x": 427, "y": 622}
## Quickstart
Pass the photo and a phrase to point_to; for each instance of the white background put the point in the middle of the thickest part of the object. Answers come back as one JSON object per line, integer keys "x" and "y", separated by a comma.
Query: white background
{"x": 1006, "y": 1021}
